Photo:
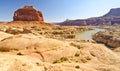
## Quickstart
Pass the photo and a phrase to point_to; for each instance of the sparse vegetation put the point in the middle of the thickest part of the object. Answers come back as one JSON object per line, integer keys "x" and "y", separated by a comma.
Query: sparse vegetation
{"x": 84, "y": 60}
{"x": 3, "y": 49}
{"x": 63, "y": 59}
{"x": 77, "y": 67}
{"x": 19, "y": 53}
{"x": 76, "y": 61}
{"x": 56, "y": 61}
{"x": 77, "y": 54}
{"x": 76, "y": 45}
{"x": 88, "y": 58}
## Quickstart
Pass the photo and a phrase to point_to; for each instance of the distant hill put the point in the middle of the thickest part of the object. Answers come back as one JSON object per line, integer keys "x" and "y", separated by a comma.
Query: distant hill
{"x": 113, "y": 12}
{"x": 1, "y": 22}
{"x": 111, "y": 18}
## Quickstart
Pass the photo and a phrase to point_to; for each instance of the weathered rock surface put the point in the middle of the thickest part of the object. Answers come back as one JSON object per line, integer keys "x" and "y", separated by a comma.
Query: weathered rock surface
{"x": 107, "y": 38}
{"x": 97, "y": 56}
{"x": 28, "y": 13}
{"x": 93, "y": 57}
{"x": 50, "y": 49}
{"x": 56, "y": 32}
{"x": 20, "y": 63}
{"x": 4, "y": 35}
{"x": 33, "y": 51}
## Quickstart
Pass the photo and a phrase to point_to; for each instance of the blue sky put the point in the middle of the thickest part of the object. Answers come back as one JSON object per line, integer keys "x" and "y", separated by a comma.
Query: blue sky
{"x": 59, "y": 10}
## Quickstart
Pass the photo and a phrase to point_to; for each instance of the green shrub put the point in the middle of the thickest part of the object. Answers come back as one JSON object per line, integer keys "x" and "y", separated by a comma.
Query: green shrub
{"x": 56, "y": 61}
{"x": 76, "y": 45}
{"x": 77, "y": 54}
{"x": 88, "y": 58}
{"x": 84, "y": 60}
{"x": 63, "y": 59}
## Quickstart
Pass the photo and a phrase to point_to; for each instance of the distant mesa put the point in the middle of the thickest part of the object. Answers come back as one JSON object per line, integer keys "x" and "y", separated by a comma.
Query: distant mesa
{"x": 111, "y": 18}
{"x": 28, "y": 13}
{"x": 113, "y": 12}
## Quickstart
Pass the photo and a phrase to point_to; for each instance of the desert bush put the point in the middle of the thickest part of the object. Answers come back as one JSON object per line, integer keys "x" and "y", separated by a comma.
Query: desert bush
{"x": 84, "y": 60}
{"x": 19, "y": 53}
{"x": 76, "y": 45}
{"x": 77, "y": 54}
{"x": 3, "y": 49}
{"x": 63, "y": 59}
{"x": 77, "y": 67}
{"x": 56, "y": 61}
{"x": 88, "y": 58}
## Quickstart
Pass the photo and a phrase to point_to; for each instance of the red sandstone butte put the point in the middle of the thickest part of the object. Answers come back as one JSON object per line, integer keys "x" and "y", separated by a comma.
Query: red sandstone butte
{"x": 28, "y": 13}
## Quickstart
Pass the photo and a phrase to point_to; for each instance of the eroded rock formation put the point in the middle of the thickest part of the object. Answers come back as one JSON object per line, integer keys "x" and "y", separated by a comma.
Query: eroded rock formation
{"x": 107, "y": 38}
{"x": 28, "y": 13}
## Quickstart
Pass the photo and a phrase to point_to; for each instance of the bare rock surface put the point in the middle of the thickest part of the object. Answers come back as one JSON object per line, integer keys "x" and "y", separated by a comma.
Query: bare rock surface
{"x": 49, "y": 49}
{"x": 4, "y": 35}
{"x": 34, "y": 51}
{"x": 92, "y": 57}
{"x": 110, "y": 38}
{"x": 20, "y": 63}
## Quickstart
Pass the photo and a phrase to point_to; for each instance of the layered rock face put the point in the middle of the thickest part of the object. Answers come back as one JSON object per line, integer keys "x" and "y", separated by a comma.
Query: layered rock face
{"x": 28, "y": 13}
{"x": 111, "y": 18}
{"x": 109, "y": 38}
{"x": 113, "y": 12}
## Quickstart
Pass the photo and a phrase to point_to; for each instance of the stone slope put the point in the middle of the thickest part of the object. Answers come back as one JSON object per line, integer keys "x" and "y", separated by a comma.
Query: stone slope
{"x": 4, "y": 35}
{"x": 50, "y": 49}
{"x": 33, "y": 52}
{"x": 93, "y": 57}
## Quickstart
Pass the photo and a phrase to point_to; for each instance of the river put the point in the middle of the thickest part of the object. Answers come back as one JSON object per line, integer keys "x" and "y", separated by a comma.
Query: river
{"x": 87, "y": 35}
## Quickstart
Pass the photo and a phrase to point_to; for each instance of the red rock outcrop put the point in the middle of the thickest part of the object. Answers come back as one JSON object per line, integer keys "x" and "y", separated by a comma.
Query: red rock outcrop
{"x": 107, "y": 39}
{"x": 28, "y": 13}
